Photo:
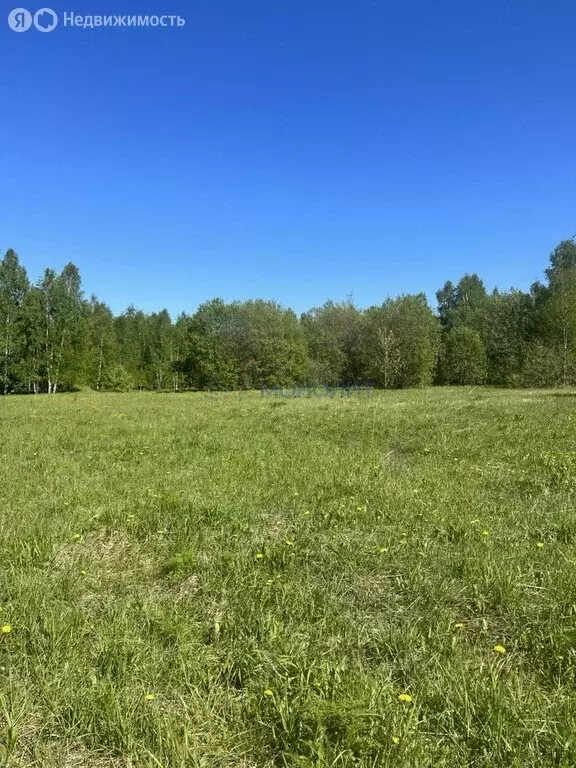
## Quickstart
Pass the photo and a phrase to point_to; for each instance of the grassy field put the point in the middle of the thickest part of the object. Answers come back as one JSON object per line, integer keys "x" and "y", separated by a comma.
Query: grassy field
{"x": 231, "y": 580}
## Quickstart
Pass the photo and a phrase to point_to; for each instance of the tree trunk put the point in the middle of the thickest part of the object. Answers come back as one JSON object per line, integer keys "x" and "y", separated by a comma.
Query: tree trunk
{"x": 6, "y": 353}
{"x": 99, "y": 379}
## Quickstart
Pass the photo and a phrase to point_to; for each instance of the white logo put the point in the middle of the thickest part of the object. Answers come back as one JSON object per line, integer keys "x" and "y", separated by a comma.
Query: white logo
{"x": 45, "y": 20}
{"x": 20, "y": 20}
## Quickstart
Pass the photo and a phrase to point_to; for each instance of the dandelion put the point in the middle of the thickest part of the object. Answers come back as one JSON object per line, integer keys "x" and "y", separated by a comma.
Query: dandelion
{"x": 459, "y": 625}
{"x": 499, "y": 649}
{"x": 83, "y": 572}
{"x": 405, "y": 697}
{"x": 149, "y": 697}
{"x": 485, "y": 533}
{"x": 540, "y": 544}
{"x": 268, "y": 692}
{"x": 259, "y": 556}
{"x": 396, "y": 740}
{"x": 6, "y": 629}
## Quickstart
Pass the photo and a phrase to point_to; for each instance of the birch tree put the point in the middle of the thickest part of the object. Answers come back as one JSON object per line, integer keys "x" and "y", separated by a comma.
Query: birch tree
{"x": 61, "y": 301}
{"x": 101, "y": 353}
{"x": 14, "y": 286}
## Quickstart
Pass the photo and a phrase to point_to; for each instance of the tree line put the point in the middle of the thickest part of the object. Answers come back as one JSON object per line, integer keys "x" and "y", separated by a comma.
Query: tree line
{"x": 52, "y": 338}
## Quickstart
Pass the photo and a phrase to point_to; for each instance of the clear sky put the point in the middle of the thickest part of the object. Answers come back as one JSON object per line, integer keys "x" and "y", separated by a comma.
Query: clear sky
{"x": 291, "y": 149}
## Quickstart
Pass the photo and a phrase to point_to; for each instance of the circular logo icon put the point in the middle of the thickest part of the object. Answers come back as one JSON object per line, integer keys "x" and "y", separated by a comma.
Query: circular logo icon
{"x": 45, "y": 20}
{"x": 20, "y": 20}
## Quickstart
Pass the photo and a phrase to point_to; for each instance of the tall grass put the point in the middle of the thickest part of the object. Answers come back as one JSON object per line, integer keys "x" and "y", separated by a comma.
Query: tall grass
{"x": 192, "y": 581}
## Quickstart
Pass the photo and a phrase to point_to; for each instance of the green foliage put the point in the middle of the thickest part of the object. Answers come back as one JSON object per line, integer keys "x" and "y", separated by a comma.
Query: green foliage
{"x": 506, "y": 333}
{"x": 101, "y": 349}
{"x": 542, "y": 366}
{"x": 248, "y": 344}
{"x": 116, "y": 379}
{"x": 401, "y": 341}
{"x": 13, "y": 289}
{"x": 52, "y": 339}
{"x": 463, "y": 357}
{"x": 463, "y": 304}
{"x": 333, "y": 335}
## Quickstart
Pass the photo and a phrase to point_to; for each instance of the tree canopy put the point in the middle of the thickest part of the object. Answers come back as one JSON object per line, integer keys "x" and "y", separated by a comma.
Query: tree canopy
{"x": 53, "y": 338}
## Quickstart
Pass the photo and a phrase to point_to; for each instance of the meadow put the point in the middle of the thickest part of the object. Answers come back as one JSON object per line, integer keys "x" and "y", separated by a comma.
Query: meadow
{"x": 234, "y": 581}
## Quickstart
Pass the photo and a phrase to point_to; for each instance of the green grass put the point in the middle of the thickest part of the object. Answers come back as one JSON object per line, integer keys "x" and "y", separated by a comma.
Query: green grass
{"x": 275, "y": 573}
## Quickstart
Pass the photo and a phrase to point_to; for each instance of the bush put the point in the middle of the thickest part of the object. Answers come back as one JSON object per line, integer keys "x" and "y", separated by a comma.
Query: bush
{"x": 117, "y": 379}
{"x": 463, "y": 357}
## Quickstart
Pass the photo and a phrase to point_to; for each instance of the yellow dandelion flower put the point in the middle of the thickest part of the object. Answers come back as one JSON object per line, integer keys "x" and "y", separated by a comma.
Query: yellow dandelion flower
{"x": 485, "y": 533}
{"x": 83, "y": 572}
{"x": 6, "y": 629}
{"x": 395, "y": 740}
{"x": 540, "y": 544}
{"x": 268, "y": 692}
{"x": 149, "y": 697}
{"x": 499, "y": 649}
{"x": 259, "y": 556}
{"x": 405, "y": 697}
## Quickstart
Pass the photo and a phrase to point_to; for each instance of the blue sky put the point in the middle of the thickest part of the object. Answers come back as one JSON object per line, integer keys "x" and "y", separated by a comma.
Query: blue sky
{"x": 298, "y": 150}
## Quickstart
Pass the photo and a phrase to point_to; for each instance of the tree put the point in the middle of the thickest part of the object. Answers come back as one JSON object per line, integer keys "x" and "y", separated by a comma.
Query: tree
{"x": 463, "y": 357}
{"x": 61, "y": 303}
{"x": 31, "y": 365}
{"x": 446, "y": 298}
{"x": 132, "y": 336}
{"x": 161, "y": 347}
{"x": 560, "y": 305}
{"x": 542, "y": 366}
{"x": 14, "y": 287}
{"x": 248, "y": 344}
{"x": 401, "y": 342}
{"x": 554, "y": 317}
{"x": 52, "y": 339}
{"x": 463, "y": 304}
{"x": 333, "y": 333}
{"x": 209, "y": 361}
{"x": 382, "y": 355}
{"x": 101, "y": 347}
{"x": 269, "y": 345}
{"x": 506, "y": 331}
